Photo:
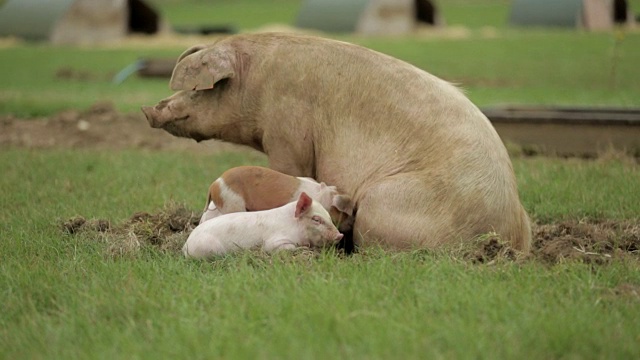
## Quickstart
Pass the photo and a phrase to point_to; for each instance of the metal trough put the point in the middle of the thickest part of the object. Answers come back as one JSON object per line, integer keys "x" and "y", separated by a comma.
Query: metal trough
{"x": 568, "y": 131}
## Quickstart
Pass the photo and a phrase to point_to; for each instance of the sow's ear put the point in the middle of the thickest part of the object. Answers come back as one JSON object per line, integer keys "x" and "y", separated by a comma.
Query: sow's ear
{"x": 343, "y": 204}
{"x": 191, "y": 50}
{"x": 303, "y": 205}
{"x": 200, "y": 67}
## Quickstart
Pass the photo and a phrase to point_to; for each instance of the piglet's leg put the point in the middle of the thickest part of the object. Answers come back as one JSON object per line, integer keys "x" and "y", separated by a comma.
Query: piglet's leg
{"x": 210, "y": 212}
{"x": 280, "y": 244}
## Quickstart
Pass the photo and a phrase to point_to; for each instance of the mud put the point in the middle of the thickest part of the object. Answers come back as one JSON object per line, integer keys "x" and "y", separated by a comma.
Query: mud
{"x": 166, "y": 230}
{"x": 78, "y": 223}
{"x": 102, "y": 127}
{"x": 99, "y": 127}
{"x": 589, "y": 241}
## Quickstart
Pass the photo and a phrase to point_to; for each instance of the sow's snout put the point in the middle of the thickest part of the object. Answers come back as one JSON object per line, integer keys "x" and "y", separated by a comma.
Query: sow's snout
{"x": 151, "y": 113}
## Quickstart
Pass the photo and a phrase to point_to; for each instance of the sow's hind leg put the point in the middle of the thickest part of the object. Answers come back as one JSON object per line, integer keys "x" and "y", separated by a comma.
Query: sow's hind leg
{"x": 402, "y": 213}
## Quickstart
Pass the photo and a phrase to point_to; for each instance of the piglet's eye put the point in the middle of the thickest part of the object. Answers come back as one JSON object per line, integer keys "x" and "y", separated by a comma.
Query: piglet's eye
{"x": 316, "y": 219}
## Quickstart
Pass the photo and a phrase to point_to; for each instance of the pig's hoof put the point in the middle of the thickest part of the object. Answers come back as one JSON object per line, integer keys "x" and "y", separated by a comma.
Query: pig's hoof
{"x": 346, "y": 244}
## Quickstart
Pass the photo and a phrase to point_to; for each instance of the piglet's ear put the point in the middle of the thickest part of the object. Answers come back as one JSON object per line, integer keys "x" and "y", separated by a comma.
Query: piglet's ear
{"x": 200, "y": 67}
{"x": 343, "y": 203}
{"x": 303, "y": 205}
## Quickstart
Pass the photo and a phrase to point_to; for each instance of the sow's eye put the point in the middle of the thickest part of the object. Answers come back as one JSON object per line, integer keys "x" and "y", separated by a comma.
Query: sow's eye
{"x": 317, "y": 220}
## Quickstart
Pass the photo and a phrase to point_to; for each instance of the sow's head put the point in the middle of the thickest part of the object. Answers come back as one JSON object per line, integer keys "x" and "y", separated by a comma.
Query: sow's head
{"x": 207, "y": 102}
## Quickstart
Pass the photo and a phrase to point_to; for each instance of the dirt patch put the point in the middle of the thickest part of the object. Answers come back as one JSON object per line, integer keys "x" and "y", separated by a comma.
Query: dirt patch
{"x": 626, "y": 290}
{"x": 591, "y": 242}
{"x": 166, "y": 230}
{"x": 489, "y": 249}
{"x": 78, "y": 223}
{"x": 99, "y": 127}
{"x": 102, "y": 127}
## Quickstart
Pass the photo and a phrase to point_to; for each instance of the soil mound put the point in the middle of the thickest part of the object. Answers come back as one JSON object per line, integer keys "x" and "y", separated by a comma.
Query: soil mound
{"x": 166, "y": 230}
{"x": 589, "y": 241}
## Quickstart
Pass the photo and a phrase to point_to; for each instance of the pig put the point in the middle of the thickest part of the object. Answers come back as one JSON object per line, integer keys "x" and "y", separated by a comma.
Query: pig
{"x": 422, "y": 164}
{"x": 255, "y": 188}
{"x": 301, "y": 223}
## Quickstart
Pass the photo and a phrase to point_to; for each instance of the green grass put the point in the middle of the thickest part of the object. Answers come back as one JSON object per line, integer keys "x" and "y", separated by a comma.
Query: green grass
{"x": 32, "y": 86}
{"x": 63, "y": 298}
{"x": 534, "y": 67}
{"x": 553, "y": 189}
{"x": 368, "y": 306}
{"x": 541, "y": 67}
{"x": 475, "y": 14}
{"x": 241, "y": 14}
{"x": 254, "y": 13}
{"x": 115, "y": 185}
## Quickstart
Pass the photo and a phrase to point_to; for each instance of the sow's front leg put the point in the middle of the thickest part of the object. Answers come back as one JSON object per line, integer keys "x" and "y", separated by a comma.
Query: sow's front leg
{"x": 283, "y": 162}
{"x": 289, "y": 155}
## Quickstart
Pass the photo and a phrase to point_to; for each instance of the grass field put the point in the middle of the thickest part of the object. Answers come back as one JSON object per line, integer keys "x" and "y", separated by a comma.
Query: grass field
{"x": 66, "y": 296}
{"x": 63, "y": 297}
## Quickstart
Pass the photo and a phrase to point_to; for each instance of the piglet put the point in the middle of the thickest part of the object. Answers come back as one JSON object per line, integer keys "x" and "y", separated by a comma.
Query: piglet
{"x": 302, "y": 223}
{"x": 255, "y": 188}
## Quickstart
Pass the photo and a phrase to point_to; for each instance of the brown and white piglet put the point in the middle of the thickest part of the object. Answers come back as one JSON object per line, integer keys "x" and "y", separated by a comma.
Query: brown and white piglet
{"x": 255, "y": 188}
{"x": 302, "y": 223}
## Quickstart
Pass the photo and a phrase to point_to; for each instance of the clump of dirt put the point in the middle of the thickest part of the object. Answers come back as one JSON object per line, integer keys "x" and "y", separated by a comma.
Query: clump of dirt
{"x": 490, "y": 249}
{"x": 595, "y": 242}
{"x": 78, "y": 224}
{"x": 588, "y": 241}
{"x": 166, "y": 230}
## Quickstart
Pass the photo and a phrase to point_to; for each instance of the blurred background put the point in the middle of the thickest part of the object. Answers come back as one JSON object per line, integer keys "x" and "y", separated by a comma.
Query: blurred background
{"x": 556, "y": 55}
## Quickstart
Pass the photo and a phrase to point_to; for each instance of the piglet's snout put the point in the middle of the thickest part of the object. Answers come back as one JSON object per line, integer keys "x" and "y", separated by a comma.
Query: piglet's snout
{"x": 338, "y": 237}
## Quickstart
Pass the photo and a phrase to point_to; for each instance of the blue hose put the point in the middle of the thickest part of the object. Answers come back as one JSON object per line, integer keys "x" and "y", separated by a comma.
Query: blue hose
{"x": 123, "y": 74}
